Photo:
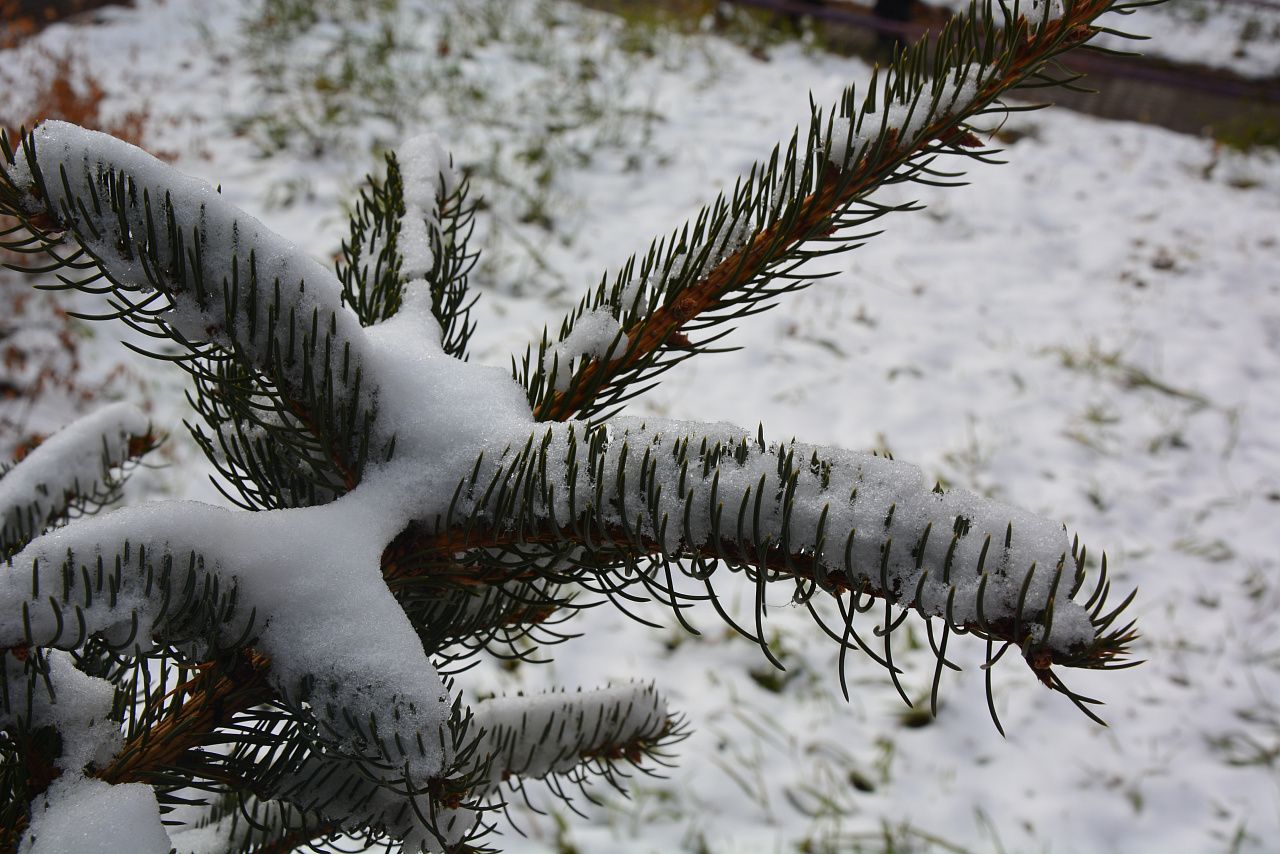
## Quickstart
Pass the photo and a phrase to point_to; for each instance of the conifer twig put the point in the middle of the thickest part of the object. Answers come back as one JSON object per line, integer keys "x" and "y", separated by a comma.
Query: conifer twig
{"x": 658, "y": 339}
{"x": 213, "y": 698}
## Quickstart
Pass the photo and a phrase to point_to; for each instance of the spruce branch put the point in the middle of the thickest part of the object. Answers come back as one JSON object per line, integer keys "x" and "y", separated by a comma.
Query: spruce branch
{"x": 372, "y": 268}
{"x": 561, "y": 738}
{"x": 816, "y": 199}
{"x": 672, "y": 508}
{"x": 456, "y": 620}
{"x": 164, "y": 729}
{"x": 153, "y": 575}
{"x": 256, "y": 826}
{"x": 75, "y": 472}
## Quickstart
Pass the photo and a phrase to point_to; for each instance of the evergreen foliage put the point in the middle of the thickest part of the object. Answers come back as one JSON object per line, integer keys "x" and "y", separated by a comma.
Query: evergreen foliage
{"x": 301, "y": 414}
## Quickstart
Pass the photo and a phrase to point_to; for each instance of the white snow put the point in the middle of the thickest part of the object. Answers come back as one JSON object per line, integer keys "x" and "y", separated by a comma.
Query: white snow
{"x": 78, "y": 709}
{"x": 552, "y": 733}
{"x": 850, "y": 141}
{"x": 427, "y": 176}
{"x": 77, "y": 813}
{"x": 942, "y": 548}
{"x": 1238, "y": 36}
{"x": 596, "y": 334}
{"x": 312, "y": 576}
{"x": 88, "y": 816}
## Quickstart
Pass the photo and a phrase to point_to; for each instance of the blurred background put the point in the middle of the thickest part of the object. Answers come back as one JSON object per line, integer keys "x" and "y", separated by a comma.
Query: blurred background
{"x": 1090, "y": 330}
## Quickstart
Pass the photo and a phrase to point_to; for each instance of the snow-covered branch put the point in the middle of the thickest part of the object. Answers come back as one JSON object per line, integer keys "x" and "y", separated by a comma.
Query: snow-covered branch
{"x": 413, "y": 224}
{"x": 186, "y": 265}
{"x": 181, "y": 573}
{"x": 575, "y": 498}
{"x": 72, "y": 467}
{"x": 533, "y": 737}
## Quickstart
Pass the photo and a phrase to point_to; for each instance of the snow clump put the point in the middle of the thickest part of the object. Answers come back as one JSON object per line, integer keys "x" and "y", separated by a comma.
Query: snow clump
{"x": 88, "y": 816}
{"x": 427, "y": 176}
{"x": 848, "y": 140}
{"x": 596, "y": 334}
{"x": 79, "y": 814}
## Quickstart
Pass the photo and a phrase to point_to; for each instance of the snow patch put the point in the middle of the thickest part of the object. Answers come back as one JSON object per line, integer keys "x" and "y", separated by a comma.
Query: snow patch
{"x": 75, "y": 461}
{"x": 88, "y": 816}
{"x": 849, "y": 140}
{"x": 596, "y": 334}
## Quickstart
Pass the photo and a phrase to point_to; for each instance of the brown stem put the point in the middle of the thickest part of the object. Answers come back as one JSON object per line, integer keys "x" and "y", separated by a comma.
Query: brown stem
{"x": 214, "y": 697}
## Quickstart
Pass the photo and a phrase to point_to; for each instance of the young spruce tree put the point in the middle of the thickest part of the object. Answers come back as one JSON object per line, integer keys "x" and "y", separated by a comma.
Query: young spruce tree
{"x": 402, "y": 509}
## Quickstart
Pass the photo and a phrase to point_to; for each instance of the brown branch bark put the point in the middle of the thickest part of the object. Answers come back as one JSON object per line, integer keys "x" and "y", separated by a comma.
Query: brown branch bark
{"x": 214, "y": 697}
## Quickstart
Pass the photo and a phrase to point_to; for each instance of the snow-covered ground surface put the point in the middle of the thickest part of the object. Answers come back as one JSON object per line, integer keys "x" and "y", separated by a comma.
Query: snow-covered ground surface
{"x": 1091, "y": 331}
{"x": 1231, "y": 35}
{"x": 1240, "y": 36}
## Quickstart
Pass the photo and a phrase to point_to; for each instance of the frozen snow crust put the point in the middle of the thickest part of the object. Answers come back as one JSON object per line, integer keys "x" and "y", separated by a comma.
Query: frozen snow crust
{"x": 307, "y": 581}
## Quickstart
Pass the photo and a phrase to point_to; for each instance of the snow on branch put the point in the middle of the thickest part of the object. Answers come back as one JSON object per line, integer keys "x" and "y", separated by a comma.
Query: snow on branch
{"x": 533, "y": 737}
{"x": 290, "y": 581}
{"x": 47, "y": 690}
{"x": 151, "y": 228}
{"x": 115, "y": 818}
{"x": 184, "y": 264}
{"x": 428, "y": 177}
{"x": 412, "y": 224}
{"x": 234, "y": 822}
{"x": 385, "y": 796}
{"x": 70, "y": 468}
{"x": 814, "y": 199}
{"x": 833, "y": 520}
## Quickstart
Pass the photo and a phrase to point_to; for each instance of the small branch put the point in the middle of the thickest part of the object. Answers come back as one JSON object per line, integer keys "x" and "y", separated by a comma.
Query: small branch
{"x": 214, "y": 697}
{"x": 836, "y": 192}
{"x": 296, "y": 839}
{"x": 443, "y": 558}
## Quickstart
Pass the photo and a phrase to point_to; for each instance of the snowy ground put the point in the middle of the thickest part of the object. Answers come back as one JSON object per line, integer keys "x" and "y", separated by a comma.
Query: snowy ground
{"x": 1241, "y": 36}
{"x": 1091, "y": 331}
